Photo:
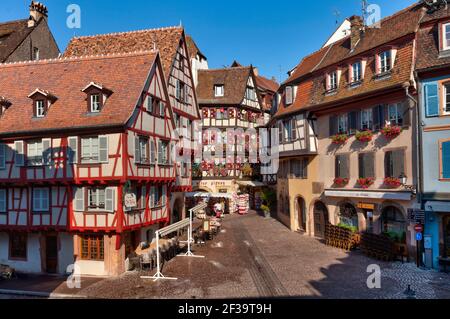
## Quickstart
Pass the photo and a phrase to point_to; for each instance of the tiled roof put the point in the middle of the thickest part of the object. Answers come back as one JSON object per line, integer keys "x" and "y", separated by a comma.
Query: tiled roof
{"x": 310, "y": 73}
{"x": 266, "y": 84}
{"x": 193, "y": 48}
{"x": 165, "y": 40}
{"x": 234, "y": 81}
{"x": 12, "y": 34}
{"x": 123, "y": 74}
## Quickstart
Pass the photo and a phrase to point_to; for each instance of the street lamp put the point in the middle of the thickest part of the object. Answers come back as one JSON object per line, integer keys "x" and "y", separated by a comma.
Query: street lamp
{"x": 404, "y": 180}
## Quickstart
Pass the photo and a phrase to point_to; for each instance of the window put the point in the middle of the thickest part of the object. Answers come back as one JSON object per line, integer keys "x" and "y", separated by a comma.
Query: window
{"x": 89, "y": 150}
{"x": 356, "y": 75}
{"x": 299, "y": 168}
{"x": 394, "y": 221}
{"x": 431, "y": 99}
{"x": 163, "y": 152}
{"x": 40, "y": 108}
{"x": 152, "y": 152}
{"x": 36, "y": 54}
{"x": 3, "y": 201}
{"x": 446, "y": 105}
{"x": 385, "y": 61}
{"x": 96, "y": 199}
{"x": 289, "y": 95}
{"x": 445, "y": 160}
{"x": 149, "y": 104}
{"x": 367, "y": 165}
{"x": 342, "y": 166}
{"x": 92, "y": 247}
{"x": 366, "y": 119}
{"x": 34, "y": 153}
{"x": 18, "y": 245}
{"x": 156, "y": 200}
{"x": 219, "y": 90}
{"x": 95, "y": 103}
{"x": 280, "y": 132}
{"x": 348, "y": 215}
{"x": 446, "y": 36}
{"x": 395, "y": 113}
{"x": 287, "y": 131}
{"x": 41, "y": 197}
{"x": 142, "y": 154}
{"x": 332, "y": 81}
{"x": 250, "y": 94}
{"x": 162, "y": 109}
{"x": 394, "y": 162}
{"x": 181, "y": 91}
{"x": 180, "y": 59}
{"x": 343, "y": 124}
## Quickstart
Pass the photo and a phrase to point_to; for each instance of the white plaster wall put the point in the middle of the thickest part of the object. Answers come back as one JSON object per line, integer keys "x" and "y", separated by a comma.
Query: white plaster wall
{"x": 33, "y": 262}
{"x": 66, "y": 253}
{"x": 91, "y": 268}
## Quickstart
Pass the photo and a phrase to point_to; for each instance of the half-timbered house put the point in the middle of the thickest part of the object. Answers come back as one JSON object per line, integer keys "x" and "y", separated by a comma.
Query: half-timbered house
{"x": 85, "y": 165}
{"x": 171, "y": 43}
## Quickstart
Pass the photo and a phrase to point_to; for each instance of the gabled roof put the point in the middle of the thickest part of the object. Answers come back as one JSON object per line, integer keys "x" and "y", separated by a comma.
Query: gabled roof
{"x": 266, "y": 84}
{"x": 124, "y": 74}
{"x": 193, "y": 48}
{"x": 165, "y": 40}
{"x": 233, "y": 79}
{"x": 12, "y": 34}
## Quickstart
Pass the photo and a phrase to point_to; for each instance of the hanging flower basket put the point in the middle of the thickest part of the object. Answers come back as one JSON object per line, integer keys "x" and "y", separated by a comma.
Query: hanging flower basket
{"x": 366, "y": 182}
{"x": 364, "y": 136}
{"x": 341, "y": 181}
{"x": 392, "y": 182}
{"x": 391, "y": 132}
{"x": 205, "y": 113}
{"x": 212, "y": 113}
{"x": 231, "y": 113}
{"x": 339, "y": 139}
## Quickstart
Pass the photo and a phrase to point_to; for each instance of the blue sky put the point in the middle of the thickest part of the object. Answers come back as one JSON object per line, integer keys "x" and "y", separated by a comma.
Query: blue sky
{"x": 272, "y": 35}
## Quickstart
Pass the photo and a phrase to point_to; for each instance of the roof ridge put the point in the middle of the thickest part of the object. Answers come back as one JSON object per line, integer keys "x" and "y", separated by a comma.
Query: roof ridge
{"x": 78, "y": 58}
{"x": 13, "y": 21}
{"x": 225, "y": 69}
{"x": 127, "y": 32}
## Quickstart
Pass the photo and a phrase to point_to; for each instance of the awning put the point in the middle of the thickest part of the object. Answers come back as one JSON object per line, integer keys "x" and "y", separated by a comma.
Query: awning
{"x": 370, "y": 195}
{"x": 251, "y": 183}
{"x": 209, "y": 195}
{"x": 438, "y": 207}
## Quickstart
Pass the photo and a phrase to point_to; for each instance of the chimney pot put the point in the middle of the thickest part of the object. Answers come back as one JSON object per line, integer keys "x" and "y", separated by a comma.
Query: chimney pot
{"x": 38, "y": 11}
{"x": 356, "y": 30}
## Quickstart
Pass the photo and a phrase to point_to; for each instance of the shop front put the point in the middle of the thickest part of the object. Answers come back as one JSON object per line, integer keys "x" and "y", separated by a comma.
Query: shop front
{"x": 437, "y": 235}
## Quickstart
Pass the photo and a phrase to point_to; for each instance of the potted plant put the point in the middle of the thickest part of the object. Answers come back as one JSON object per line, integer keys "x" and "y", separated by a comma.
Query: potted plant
{"x": 364, "y": 136}
{"x": 366, "y": 182}
{"x": 339, "y": 139}
{"x": 392, "y": 182}
{"x": 341, "y": 182}
{"x": 269, "y": 199}
{"x": 391, "y": 132}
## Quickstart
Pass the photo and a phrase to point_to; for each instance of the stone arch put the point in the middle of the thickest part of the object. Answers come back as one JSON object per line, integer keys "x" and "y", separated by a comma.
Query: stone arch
{"x": 320, "y": 218}
{"x": 353, "y": 213}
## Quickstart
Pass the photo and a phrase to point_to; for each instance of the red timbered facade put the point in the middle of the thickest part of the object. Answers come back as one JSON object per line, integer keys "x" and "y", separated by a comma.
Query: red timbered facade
{"x": 86, "y": 163}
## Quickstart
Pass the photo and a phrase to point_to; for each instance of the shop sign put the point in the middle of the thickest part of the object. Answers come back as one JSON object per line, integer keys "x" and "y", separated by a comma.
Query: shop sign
{"x": 366, "y": 206}
{"x": 130, "y": 200}
{"x": 416, "y": 215}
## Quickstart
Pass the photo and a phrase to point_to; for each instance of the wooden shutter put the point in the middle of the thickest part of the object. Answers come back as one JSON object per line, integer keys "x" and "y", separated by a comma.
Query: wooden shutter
{"x": 150, "y": 104}
{"x": 445, "y": 161}
{"x": 333, "y": 125}
{"x": 378, "y": 117}
{"x": 431, "y": 99}
{"x": 103, "y": 149}
{"x": 352, "y": 122}
{"x": 2, "y": 156}
{"x": 388, "y": 164}
{"x": 152, "y": 151}
{"x": 109, "y": 199}
{"x": 398, "y": 161}
{"x": 137, "y": 150}
{"x": 144, "y": 197}
{"x": 160, "y": 152}
{"x": 405, "y": 113}
{"x": 72, "y": 152}
{"x": 78, "y": 203}
{"x": 280, "y": 132}
{"x": 47, "y": 151}
{"x": 294, "y": 128}
{"x": 19, "y": 155}
{"x": 3, "y": 201}
{"x": 369, "y": 164}
{"x": 361, "y": 167}
{"x": 345, "y": 166}
{"x": 45, "y": 199}
{"x": 177, "y": 93}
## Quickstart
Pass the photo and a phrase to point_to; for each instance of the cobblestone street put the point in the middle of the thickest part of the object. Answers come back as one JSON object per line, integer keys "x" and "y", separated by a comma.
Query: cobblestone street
{"x": 257, "y": 257}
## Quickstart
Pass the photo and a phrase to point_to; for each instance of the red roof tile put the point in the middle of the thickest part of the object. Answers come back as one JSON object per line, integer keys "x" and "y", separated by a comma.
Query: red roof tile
{"x": 125, "y": 75}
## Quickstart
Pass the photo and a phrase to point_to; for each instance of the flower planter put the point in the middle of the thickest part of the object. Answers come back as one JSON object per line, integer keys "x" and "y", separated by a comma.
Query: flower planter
{"x": 392, "y": 182}
{"x": 391, "y": 132}
{"x": 366, "y": 182}
{"x": 341, "y": 182}
{"x": 339, "y": 237}
{"x": 364, "y": 137}
{"x": 340, "y": 139}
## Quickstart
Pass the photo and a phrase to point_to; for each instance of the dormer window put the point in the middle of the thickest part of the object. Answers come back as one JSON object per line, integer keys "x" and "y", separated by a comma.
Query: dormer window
{"x": 356, "y": 72}
{"x": 384, "y": 62}
{"x": 36, "y": 54}
{"x": 40, "y": 108}
{"x": 446, "y": 36}
{"x": 250, "y": 94}
{"x": 289, "y": 95}
{"x": 4, "y": 104}
{"x": 95, "y": 103}
{"x": 42, "y": 101}
{"x": 219, "y": 90}
{"x": 332, "y": 81}
{"x": 96, "y": 97}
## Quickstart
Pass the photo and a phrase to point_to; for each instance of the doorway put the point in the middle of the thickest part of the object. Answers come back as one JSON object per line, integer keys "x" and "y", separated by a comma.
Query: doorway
{"x": 51, "y": 254}
{"x": 320, "y": 219}
{"x": 301, "y": 214}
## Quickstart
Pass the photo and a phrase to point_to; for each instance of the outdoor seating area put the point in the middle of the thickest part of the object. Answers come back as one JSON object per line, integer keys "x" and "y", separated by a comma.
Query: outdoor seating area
{"x": 342, "y": 238}
{"x": 378, "y": 246}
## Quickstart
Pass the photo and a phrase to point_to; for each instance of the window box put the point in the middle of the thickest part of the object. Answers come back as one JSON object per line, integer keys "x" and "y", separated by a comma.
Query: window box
{"x": 340, "y": 139}
{"x": 341, "y": 182}
{"x": 366, "y": 182}
{"x": 392, "y": 182}
{"x": 364, "y": 136}
{"x": 391, "y": 132}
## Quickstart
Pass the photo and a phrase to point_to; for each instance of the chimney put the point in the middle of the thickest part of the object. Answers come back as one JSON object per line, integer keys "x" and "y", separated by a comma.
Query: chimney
{"x": 38, "y": 11}
{"x": 256, "y": 71}
{"x": 356, "y": 30}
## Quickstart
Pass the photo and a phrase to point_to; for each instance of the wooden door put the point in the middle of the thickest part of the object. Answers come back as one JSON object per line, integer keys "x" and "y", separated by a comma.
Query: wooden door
{"x": 320, "y": 219}
{"x": 51, "y": 254}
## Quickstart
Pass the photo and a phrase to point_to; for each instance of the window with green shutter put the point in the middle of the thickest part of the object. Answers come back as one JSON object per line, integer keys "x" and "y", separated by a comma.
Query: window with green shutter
{"x": 431, "y": 98}
{"x": 367, "y": 165}
{"x": 445, "y": 160}
{"x": 342, "y": 166}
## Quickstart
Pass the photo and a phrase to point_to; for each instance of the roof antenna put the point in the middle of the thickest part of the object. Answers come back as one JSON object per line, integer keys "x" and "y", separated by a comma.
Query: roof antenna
{"x": 337, "y": 14}
{"x": 364, "y": 13}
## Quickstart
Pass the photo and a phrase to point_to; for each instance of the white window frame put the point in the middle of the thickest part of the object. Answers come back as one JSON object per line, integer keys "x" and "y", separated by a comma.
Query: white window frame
{"x": 367, "y": 116}
{"x": 289, "y": 95}
{"x": 444, "y": 36}
{"x": 98, "y": 191}
{"x": 95, "y": 104}
{"x": 40, "y": 108}
{"x": 384, "y": 65}
{"x": 41, "y": 203}
{"x": 92, "y": 159}
{"x": 35, "y": 150}
{"x": 36, "y": 54}
{"x": 397, "y": 107}
{"x": 343, "y": 123}
{"x": 444, "y": 104}
{"x": 143, "y": 150}
{"x": 356, "y": 74}
{"x": 219, "y": 90}
{"x": 332, "y": 81}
